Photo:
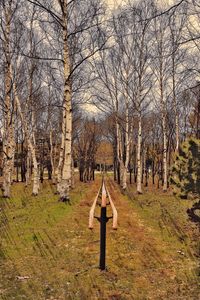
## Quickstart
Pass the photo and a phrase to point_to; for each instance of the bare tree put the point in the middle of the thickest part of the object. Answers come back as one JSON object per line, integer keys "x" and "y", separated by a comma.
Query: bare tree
{"x": 72, "y": 22}
{"x": 8, "y": 10}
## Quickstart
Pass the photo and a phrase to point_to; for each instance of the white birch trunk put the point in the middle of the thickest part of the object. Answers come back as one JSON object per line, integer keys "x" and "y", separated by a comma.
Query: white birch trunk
{"x": 123, "y": 165}
{"x": 28, "y": 168}
{"x": 164, "y": 127}
{"x": 176, "y": 119}
{"x": 120, "y": 153}
{"x": 61, "y": 156}
{"x": 164, "y": 153}
{"x": 127, "y": 149}
{"x": 175, "y": 103}
{"x": 8, "y": 139}
{"x": 8, "y": 162}
{"x": 31, "y": 145}
{"x": 118, "y": 140}
{"x": 52, "y": 157}
{"x": 139, "y": 164}
{"x": 124, "y": 177}
{"x": 67, "y": 161}
{"x": 177, "y": 131}
{"x": 73, "y": 176}
{"x": 32, "y": 142}
{"x": 36, "y": 182}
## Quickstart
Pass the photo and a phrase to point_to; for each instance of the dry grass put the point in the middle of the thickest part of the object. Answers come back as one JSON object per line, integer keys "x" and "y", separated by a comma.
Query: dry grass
{"x": 48, "y": 252}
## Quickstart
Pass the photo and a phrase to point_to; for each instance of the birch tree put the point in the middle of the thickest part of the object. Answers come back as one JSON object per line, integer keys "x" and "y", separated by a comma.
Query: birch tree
{"x": 111, "y": 98}
{"x": 8, "y": 10}
{"x": 177, "y": 24}
{"x": 139, "y": 20}
{"x": 72, "y": 20}
{"x": 161, "y": 72}
{"x": 26, "y": 78}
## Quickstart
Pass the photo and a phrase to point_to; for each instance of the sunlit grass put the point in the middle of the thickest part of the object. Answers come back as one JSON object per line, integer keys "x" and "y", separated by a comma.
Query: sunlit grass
{"x": 48, "y": 252}
{"x": 27, "y": 216}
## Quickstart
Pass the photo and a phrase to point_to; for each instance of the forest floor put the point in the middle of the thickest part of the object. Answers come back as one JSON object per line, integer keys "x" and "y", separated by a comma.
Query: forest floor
{"x": 48, "y": 252}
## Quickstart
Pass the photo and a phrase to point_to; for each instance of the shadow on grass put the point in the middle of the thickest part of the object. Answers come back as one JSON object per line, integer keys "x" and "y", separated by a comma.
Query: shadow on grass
{"x": 193, "y": 213}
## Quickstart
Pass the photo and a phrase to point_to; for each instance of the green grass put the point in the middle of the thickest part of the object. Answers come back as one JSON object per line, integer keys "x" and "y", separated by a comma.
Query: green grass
{"x": 25, "y": 218}
{"x": 165, "y": 213}
{"x": 167, "y": 217}
{"x": 47, "y": 251}
{"x": 27, "y": 226}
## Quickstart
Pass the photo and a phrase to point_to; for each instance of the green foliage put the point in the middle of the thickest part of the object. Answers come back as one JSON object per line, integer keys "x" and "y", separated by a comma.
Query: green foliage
{"x": 186, "y": 170}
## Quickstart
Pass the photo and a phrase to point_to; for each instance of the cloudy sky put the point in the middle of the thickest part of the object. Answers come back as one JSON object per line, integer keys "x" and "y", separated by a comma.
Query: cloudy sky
{"x": 113, "y": 3}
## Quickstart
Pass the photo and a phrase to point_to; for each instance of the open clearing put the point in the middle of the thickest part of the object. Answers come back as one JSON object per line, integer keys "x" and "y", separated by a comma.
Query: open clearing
{"x": 48, "y": 252}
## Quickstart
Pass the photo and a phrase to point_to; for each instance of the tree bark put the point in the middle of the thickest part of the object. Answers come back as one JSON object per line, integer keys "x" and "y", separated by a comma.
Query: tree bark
{"x": 164, "y": 153}
{"x": 53, "y": 177}
{"x": 139, "y": 164}
{"x": 8, "y": 140}
{"x": 28, "y": 168}
{"x": 61, "y": 156}
{"x": 175, "y": 103}
{"x": 123, "y": 164}
{"x": 31, "y": 144}
{"x": 65, "y": 183}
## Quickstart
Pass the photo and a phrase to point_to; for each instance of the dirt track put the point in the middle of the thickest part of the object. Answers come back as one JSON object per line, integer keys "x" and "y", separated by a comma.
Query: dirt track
{"x": 140, "y": 264}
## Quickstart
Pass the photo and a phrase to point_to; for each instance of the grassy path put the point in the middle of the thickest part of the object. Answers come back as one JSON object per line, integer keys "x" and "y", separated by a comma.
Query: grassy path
{"x": 48, "y": 252}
